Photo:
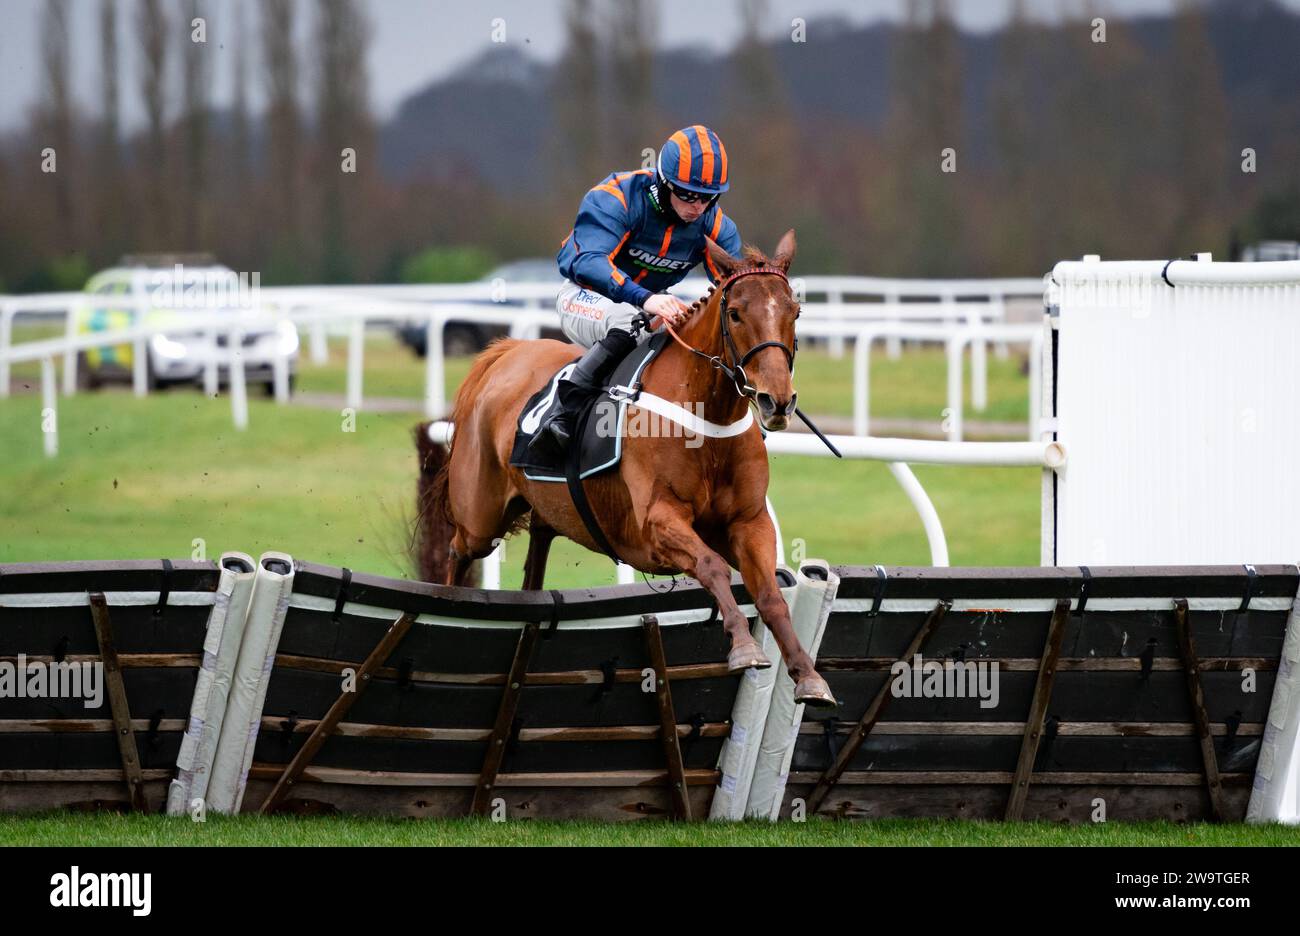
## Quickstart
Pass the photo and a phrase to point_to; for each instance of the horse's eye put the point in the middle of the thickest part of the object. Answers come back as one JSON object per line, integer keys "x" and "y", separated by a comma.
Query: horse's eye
{"x": 735, "y": 316}
{"x": 798, "y": 312}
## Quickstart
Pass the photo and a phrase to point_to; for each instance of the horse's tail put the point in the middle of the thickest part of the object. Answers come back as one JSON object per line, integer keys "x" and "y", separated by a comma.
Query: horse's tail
{"x": 434, "y": 525}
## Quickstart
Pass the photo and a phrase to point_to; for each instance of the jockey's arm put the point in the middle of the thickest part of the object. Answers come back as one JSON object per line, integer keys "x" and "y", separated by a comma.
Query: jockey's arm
{"x": 599, "y": 232}
{"x": 728, "y": 239}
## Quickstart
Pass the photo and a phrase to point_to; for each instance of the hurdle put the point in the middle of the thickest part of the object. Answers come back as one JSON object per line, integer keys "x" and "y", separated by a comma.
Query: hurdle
{"x": 1122, "y": 694}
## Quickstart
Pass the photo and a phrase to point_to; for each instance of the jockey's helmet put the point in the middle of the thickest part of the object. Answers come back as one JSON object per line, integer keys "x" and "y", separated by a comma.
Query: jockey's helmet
{"x": 695, "y": 160}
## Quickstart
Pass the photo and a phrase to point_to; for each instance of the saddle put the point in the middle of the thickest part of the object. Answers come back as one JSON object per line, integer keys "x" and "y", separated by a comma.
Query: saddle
{"x": 599, "y": 431}
{"x": 600, "y": 425}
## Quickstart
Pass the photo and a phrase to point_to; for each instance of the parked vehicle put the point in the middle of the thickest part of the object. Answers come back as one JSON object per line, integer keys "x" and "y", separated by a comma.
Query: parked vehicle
{"x": 165, "y": 291}
{"x": 1271, "y": 250}
{"x": 464, "y": 338}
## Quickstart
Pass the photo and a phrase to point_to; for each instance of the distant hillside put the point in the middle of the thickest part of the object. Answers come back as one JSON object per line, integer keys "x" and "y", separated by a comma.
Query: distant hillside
{"x": 493, "y": 117}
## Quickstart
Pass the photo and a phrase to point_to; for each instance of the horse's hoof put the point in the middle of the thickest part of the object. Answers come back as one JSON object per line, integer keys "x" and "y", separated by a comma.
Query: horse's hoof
{"x": 812, "y": 690}
{"x": 747, "y": 656}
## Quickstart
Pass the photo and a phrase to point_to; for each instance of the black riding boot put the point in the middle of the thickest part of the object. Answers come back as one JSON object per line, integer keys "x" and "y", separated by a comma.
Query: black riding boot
{"x": 579, "y": 387}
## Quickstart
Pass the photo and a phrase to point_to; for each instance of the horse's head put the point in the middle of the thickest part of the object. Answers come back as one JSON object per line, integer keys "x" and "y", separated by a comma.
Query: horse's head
{"x": 757, "y": 310}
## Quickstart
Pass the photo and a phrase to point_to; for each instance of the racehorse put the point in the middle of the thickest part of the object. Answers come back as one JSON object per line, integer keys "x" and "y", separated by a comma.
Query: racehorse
{"x": 669, "y": 507}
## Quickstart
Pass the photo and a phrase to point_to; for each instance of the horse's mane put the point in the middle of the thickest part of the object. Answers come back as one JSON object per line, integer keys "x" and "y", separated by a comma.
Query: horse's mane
{"x": 751, "y": 258}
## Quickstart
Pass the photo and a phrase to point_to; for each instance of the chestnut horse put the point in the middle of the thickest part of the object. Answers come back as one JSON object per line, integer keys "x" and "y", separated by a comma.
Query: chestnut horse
{"x": 668, "y": 507}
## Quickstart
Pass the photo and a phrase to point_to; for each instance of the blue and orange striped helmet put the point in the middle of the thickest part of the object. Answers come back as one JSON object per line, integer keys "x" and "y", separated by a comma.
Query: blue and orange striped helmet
{"x": 694, "y": 159}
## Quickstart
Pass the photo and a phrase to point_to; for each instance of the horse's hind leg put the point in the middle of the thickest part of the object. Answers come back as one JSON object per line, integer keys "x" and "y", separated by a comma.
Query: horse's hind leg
{"x": 480, "y": 533}
{"x": 540, "y": 536}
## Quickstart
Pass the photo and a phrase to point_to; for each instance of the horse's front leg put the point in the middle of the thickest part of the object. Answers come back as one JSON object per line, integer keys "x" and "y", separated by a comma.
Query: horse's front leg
{"x": 674, "y": 543}
{"x": 753, "y": 544}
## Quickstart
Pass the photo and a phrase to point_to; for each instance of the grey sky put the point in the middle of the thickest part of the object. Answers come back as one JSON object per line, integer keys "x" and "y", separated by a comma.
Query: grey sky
{"x": 417, "y": 41}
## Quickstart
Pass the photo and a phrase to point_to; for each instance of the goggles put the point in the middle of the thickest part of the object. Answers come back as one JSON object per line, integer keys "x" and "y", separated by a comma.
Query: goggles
{"x": 692, "y": 197}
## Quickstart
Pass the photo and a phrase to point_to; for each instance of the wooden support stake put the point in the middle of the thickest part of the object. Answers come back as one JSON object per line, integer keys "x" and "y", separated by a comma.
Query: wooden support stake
{"x": 117, "y": 702}
{"x": 875, "y": 709}
{"x": 383, "y": 650}
{"x": 1191, "y": 668}
{"x": 667, "y": 719}
{"x": 1037, "y": 711}
{"x": 496, "y": 751}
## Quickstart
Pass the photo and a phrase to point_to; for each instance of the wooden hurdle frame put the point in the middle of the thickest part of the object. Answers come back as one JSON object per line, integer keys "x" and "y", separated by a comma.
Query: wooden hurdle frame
{"x": 1147, "y": 689}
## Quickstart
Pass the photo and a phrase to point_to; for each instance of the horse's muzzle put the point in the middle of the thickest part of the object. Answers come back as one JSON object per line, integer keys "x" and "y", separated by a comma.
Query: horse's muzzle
{"x": 775, "y": 414}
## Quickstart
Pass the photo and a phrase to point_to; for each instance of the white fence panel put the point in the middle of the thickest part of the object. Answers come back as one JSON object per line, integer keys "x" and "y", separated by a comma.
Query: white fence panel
{"x": 1178, "y": 393}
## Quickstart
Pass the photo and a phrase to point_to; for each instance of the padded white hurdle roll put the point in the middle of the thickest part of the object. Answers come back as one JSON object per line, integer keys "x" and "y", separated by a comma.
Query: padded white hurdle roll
{"x": 809, "y": 614}
{"x": 267, "y": 608}
{"x": 765, "y": 721}
{"x": 748, "y": 718}
{"x": 1275, "y": 793}
{"x": 221, "y": 645}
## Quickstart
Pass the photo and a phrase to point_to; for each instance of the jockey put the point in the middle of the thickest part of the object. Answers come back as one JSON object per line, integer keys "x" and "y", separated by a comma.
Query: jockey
{"x": 637, "y": 234}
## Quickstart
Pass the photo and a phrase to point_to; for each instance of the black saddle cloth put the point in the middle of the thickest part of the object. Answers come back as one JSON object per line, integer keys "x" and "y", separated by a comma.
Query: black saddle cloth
{"x": 601, "y": 444}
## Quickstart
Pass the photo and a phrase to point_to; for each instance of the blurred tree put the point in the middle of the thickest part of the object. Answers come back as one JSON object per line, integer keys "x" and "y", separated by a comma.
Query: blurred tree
{"x": 67, "y": 273}
{"x": 239, "y": 136}
{"x": 194, "y": 223}
{"x": 630, "y": 25}
{"x": 109, "y": 199}
{"x": 241, "y": 240}
{"x": 54, "y": 120}
{"x": 1200, "y": 156}
{"x": 343, "y": 123}
{"x": 917, "y": 202}
{"x": 152, "y": 27}
{"x": 283, "y": 142}
{"x": 768, "y": 194}
{"x": 1065, "y": 145}
{"x": 1109, "y": 190}
{"x": 1276, "y": 216}
{"x": 1013, "y": 117}
{"x": 447, "y": 265}
{"x": 577, "y": 148}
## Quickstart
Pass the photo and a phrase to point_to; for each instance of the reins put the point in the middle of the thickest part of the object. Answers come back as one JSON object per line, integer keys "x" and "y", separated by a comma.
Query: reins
{"x": 736, "y": 370}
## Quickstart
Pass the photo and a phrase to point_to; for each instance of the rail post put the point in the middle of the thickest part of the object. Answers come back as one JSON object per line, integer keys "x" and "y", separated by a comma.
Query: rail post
{"x": 50, "y": 405}
{"x": 70, "y": 353}
{"x": 435, "y": 377}
{"x": 238, "y": 388}
{"x": 356, "y": 353}
{"x": 6, "y": 339}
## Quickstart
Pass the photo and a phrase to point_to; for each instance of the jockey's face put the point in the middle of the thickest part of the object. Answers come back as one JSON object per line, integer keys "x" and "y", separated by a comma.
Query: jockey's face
{"x": 688, "y": 211}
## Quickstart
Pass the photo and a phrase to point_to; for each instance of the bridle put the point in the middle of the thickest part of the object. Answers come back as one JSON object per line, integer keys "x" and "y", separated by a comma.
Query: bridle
{"x": 734, "y": 368}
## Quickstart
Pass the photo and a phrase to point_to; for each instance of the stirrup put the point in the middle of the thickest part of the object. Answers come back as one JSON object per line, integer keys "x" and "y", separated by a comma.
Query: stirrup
{"x": 546, "y": 443}
{"x": 560, "y": 430}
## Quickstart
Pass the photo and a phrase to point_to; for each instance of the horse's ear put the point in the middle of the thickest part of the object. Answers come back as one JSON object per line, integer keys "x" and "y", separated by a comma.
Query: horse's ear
{"x": 726, "y": 264}
{"x": 785, "y": 252}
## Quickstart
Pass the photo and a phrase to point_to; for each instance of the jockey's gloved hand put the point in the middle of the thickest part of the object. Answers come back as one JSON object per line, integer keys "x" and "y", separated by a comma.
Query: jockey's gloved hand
{"x": 667, "y": 308}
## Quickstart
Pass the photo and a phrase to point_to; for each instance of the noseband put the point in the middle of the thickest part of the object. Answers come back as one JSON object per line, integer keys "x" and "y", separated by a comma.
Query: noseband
{"x": 734, "y": 368}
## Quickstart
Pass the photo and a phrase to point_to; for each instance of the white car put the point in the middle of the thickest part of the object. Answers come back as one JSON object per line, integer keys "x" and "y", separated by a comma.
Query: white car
{"x": 168, "y": 291}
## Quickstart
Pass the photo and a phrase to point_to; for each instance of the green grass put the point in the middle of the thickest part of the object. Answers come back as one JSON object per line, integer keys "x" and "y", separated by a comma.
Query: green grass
{"x": 113, "y": 829}
{"x": 147, "y": 478}
{"x": 168, "y": 475}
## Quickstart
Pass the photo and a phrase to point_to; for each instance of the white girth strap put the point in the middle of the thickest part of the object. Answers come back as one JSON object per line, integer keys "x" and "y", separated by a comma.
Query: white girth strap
{"x": 682, "y": 416}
